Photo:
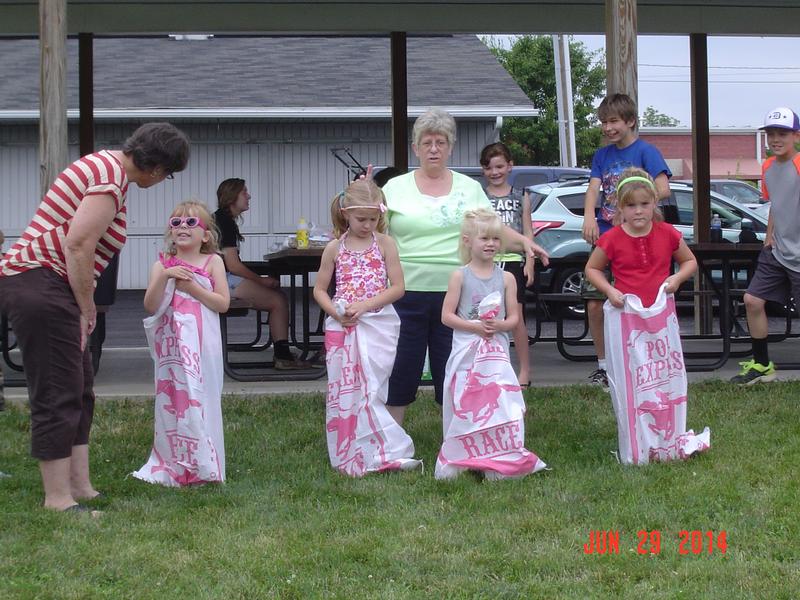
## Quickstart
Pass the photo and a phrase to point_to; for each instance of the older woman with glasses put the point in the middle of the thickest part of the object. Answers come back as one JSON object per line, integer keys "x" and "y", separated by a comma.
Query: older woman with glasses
{"x": 426, "y": 207}
{"x": 47, "y": 283}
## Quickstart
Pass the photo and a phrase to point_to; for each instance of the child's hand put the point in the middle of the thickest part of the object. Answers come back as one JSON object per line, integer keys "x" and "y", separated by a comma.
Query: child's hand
{"x": 672, "y": 284}
{"x": 179, "y": 273}
{"x": 590, "y": 231}
{"x": 486, "y": 328}
{"x": 528, "y": 272}
{"x": 355, "y": 310}
{"x": 616, "y": 298}
{"x": 184, "y": 285}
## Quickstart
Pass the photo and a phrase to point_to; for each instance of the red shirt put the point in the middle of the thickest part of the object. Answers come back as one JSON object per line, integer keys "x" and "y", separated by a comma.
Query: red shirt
{"x": 641, "y": 264}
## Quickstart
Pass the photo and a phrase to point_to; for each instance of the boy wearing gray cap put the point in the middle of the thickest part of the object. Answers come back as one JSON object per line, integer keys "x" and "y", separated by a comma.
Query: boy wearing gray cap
{"x": 777, "y": 275}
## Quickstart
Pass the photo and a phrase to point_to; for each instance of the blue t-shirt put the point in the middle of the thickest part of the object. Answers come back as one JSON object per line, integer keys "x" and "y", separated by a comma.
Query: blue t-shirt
{"x": 608, "y": 164}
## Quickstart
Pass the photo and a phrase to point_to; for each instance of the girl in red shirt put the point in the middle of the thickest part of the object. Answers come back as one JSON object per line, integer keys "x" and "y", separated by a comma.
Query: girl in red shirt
{"x": 640, "y": 250}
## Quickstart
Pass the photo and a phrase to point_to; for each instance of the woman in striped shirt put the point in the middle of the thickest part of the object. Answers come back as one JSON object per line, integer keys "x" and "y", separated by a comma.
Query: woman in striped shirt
{"x": 47, "y": 281}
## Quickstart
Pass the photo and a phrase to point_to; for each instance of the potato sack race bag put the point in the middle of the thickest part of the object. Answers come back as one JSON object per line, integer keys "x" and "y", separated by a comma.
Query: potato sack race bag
{"x": 362, "y": 435}
{"x": 185, "y": 343}
{"x": 647, "y": 378}
{"x": 483, "y": 409}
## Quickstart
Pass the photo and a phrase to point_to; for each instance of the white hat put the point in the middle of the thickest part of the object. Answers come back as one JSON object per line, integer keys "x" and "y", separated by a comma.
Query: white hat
{"x": 782, "y": 118}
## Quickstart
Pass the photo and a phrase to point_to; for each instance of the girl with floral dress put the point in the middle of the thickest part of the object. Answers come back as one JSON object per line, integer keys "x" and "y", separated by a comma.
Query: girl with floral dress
{"x": 361, "y": 334}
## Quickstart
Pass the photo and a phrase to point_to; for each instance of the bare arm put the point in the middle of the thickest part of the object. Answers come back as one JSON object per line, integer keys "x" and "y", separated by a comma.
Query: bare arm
{"x": 324, "y": 277}
{"x": 590, "y": 230}
{"x": 768, "y": 236}
{"x": 687, "y": 266}
{"x": 234, "y": 264}
{"x": 512, "y": 314}
{"x": 397, "y": 286}
{"x": 595, "y": 266}
{"x": 450, "y": 306}
{"x": 662, "y": 186}
{"x": 90, "y": 222}
{"x": 517, "y": 242}
{"x": 527, "y": 231}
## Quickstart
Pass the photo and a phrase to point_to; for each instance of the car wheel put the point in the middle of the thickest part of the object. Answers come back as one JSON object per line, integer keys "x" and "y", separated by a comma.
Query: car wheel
{"x": 569, "y": 281}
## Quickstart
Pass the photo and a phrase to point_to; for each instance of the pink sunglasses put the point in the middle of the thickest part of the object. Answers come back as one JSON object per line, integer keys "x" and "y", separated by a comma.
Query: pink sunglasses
{"x": 191, "y": 222}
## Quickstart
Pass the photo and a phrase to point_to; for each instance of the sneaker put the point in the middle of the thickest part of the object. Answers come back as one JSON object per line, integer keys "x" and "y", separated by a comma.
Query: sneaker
{"x": 600, "y": 377}
{"x": 753, "y": 372}
{"x": 291, "y": 364}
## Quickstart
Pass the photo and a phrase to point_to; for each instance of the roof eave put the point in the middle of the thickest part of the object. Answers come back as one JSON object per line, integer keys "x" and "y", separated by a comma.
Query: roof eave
{"x": 293, "y": 112}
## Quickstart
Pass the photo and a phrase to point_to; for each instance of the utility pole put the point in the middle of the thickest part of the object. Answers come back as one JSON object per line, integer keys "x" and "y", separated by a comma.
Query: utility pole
{"x": 621, "y": 29}
{"x": 566, "y": 115}
{"x": 53, "y": 90}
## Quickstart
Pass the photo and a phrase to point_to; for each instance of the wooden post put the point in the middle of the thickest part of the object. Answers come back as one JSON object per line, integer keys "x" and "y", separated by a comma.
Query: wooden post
{"x": 399, "y": 100}
{"x": 701, "y": 169}
{"x": 701, "y": 156}
{"x": 621, "y": 71}
{"x": 86, "y": 92}
{"x": 53, "y": 90}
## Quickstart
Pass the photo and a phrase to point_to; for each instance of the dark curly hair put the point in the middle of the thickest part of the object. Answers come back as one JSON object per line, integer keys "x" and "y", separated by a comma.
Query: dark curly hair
{"x": 158, "y": 145}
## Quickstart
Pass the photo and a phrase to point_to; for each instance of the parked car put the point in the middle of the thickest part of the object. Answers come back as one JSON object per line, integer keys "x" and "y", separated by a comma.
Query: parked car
{"x": 523, "y": 176}
{"x": 558, "y": 222}
{"x": 735, "y": 189}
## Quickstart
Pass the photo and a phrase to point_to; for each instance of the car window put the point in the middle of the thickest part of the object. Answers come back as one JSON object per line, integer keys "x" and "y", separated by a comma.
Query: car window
{"x": 523, "y": 179}
{"x": 731, "y": 216}
{"x": 573, "y": 203}
{"x": 536, "y": 200}
{"x": 741, "y": 192}
{"x": 685, "y": 202}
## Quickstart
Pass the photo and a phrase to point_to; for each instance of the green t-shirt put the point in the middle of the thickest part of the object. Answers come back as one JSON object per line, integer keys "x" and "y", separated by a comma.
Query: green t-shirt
{"x": 427, "y": 229}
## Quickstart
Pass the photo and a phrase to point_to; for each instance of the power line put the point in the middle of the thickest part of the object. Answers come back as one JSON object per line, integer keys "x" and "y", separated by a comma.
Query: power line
{"x": 727, "y": 67}
{"x": 711, "y": 82}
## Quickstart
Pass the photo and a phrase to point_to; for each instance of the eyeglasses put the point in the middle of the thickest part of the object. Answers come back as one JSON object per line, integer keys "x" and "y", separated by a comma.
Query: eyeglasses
{"x": 428, "y": 144}
{"x": 190, "y": 222}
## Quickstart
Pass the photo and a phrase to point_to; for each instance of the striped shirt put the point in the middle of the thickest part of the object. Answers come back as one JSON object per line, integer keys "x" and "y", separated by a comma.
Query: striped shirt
{"x": 42, "y": 243}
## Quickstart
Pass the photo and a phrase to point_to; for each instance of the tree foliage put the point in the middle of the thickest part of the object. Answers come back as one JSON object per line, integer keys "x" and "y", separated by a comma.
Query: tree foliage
{"x": 531, "y": 63}
{"x": 653, "y": 118}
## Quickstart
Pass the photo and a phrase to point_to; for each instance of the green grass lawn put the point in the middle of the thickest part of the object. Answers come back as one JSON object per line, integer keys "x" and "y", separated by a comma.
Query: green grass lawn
{"x": 287, "y": 526}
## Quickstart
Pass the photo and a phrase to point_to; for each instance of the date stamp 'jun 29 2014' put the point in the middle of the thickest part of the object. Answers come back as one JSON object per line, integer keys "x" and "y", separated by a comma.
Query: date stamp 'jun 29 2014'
{"x": 688, "y": 542}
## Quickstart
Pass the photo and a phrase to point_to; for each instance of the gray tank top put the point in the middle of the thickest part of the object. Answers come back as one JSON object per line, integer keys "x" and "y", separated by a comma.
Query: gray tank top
{"x": 474, "y": 289}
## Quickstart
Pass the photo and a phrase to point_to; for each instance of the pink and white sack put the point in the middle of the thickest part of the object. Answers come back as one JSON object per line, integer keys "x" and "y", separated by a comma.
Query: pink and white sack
{"x": 185, "y": 343}
{"x": 647, "y": 377}
{"x": 362, "y": 436}
{"x": 483, "y": 409}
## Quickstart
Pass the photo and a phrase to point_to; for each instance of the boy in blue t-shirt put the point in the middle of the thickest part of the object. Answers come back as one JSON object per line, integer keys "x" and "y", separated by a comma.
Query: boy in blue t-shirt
{"x": 618, "y": 119}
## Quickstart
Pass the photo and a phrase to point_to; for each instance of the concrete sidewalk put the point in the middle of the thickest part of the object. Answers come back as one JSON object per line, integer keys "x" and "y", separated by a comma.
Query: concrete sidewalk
{"x": 126, "y": 369}
{"x": 128, "y": 373}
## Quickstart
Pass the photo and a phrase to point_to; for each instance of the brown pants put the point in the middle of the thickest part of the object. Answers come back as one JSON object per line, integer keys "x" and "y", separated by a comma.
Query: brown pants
{"x": 45, "y": 319}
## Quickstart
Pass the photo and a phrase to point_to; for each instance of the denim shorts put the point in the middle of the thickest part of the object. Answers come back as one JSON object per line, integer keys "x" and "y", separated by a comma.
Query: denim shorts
{"x": 233, "y": 280}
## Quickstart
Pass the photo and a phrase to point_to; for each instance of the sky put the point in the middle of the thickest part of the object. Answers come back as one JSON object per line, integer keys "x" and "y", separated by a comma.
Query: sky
{"x": 748, "y": 76}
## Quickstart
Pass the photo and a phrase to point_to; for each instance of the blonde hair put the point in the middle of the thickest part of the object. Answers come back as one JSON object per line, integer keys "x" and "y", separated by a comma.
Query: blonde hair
{"x": 626, "y": 190}
{"x": 194, "y": 208}
{"x": 434, "y": 121}
{"x": 362, "y": 192}
{"x": 476, "y": 222}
